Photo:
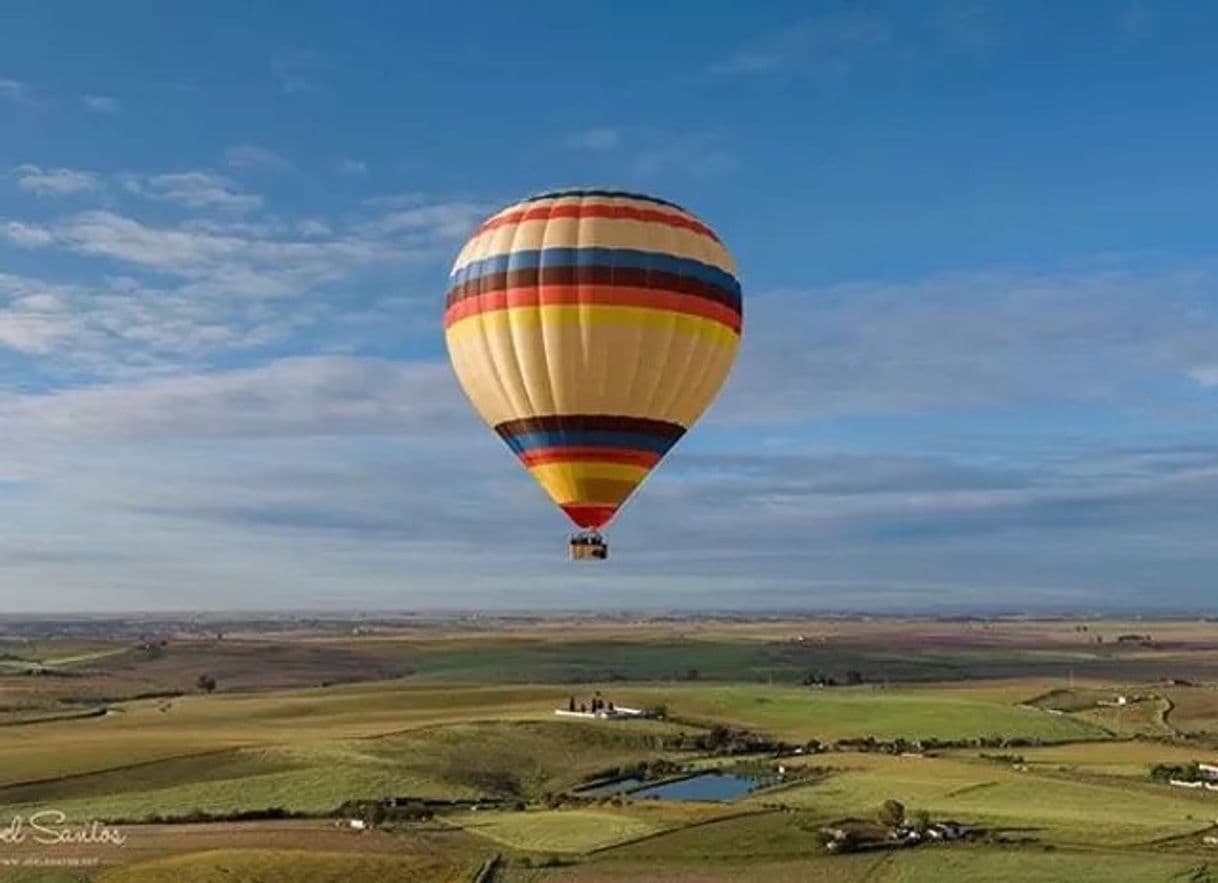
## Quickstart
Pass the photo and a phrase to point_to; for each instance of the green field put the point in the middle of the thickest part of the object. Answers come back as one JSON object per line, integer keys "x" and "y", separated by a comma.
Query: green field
{"x": 912, "y": 712}
{"x": 308, "y": 722}
{"x": 495, "y": 758}
{"x": 958, "y": 865}
{"x": 574, "y": 830}
{"x": 289, "y": 866}
{"x": 1090, "y": 810}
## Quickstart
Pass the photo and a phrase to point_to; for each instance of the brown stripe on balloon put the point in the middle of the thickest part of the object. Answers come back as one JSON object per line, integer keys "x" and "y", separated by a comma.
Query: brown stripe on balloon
{"x": 591, "y": 423}
{"x": 630, "y": 277}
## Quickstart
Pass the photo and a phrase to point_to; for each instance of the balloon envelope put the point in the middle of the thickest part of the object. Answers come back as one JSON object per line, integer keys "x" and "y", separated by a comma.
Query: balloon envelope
{"x": 590, "y": 329}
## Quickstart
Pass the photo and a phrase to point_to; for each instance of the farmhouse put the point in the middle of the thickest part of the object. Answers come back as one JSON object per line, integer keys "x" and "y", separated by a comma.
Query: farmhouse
{"x": 599, "y": 708}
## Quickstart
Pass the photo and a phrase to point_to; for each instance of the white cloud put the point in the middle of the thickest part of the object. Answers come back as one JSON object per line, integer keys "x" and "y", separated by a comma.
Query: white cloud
{"x": 397, "y": 200}
{"x": 832, "y": 42}
{"x": 452, "y": 219}
{"x": 13, "y": 90}
{"x": 110, "y": 235}
{"x": 30, "y": 332}
{"x": 165, "y": 298}
{"x": 302, "y": 396}
{"x": 314, "y": 227}
{"x": 26, "y": 235}
{"x": 604, "y": 138}
{"x": 353, "y": 167}
{"x": 251, "y": 156}
{"x": 33, "y": 318}
{"x": 967, "y": 340}
{"x": 54, "y": 182}
{"x": 102, "y": 103}
{"x": 193, "y": 189}
{"x": 1205, "y": 375}
{"x": 295, "y": 72}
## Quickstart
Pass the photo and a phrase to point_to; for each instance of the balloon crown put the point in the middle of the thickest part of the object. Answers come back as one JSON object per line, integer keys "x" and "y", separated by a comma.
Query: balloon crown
{"x": 604, "y": 191}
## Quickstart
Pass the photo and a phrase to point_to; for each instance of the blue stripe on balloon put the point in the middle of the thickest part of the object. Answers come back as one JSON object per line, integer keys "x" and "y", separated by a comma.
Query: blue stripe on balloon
{"x": 577, "y": 437}
{"x": 627, "y": 258}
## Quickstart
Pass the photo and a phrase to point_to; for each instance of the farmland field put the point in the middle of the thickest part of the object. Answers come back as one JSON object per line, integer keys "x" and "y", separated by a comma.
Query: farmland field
{"x": 1073, "y": 810}
{"x": 1033, "y": 748}
{"x": 910, "y": 712}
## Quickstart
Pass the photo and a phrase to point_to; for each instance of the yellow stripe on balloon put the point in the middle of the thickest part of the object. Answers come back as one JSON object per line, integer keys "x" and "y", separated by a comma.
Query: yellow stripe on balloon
{"x": 504, "y": 321}
{"x": 571, "y": 482}
{"x": 569, "y": 367}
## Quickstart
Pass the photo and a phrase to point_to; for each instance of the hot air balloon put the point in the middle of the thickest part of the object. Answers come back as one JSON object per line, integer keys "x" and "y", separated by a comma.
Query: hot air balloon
{"x": 591, "y": 329}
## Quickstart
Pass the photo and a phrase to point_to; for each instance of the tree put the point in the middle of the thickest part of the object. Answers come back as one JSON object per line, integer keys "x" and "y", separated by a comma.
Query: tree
{"x": 692, "y": 674}
{"x": 892, "y": 813}
{"x": 571, "y": 704}
{"x": 854, "y": 677}
{"x": 206, "y": 683}
{"x": 376, "y": 814}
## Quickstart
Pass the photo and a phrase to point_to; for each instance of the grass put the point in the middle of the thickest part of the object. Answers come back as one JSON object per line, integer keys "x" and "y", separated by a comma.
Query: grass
{"x": 1030, "y": 866}
{"x": 929, "y": 865}
{"x": 821, "y": 869}
{"x": 144, "y": 731}
{"x": 288, "y": 866}
{"x": 1095, "y": 811}
{"x": 760, "y": 835}
{"x": 465, "y": 721}
{"x": 1142, "y": 718}
{"x": 560, "y": 831}
{"x": 913, "y": 712}
{"x": 498, "y": 759}
{"x": 41, "y": 875}
{"x": 1132, "y": 758}
{"x": 1196, "y": 709}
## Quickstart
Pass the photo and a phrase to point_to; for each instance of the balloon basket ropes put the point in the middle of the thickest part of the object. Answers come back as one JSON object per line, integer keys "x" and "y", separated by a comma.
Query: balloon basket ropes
{"x": 588, "y": 545}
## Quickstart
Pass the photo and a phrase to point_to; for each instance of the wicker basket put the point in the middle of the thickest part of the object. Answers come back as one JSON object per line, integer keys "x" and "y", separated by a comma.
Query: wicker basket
{"x": 585, "y": 546}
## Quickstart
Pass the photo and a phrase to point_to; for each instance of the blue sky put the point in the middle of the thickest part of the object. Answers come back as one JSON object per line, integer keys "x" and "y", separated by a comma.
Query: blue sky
{"x": 980, "y": 366}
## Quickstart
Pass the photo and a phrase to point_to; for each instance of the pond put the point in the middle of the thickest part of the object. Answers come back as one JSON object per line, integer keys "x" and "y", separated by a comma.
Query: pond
{"x": 704, "y": 786}
{"x": 709, "y": 785}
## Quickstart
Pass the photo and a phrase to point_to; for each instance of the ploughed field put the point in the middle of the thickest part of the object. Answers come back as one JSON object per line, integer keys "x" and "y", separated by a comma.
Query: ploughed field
{"x": 1038, "y": 733}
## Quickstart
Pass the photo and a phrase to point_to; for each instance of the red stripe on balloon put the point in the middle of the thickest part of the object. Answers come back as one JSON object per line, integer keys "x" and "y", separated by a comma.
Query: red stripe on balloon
{"x": 574, "y": 453}
{"x": 590, "y": 517}
{"x": 601, "y": 295}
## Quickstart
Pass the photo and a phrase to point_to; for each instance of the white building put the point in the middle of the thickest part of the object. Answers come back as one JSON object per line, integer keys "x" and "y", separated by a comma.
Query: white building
{"x": 618, "y": 711}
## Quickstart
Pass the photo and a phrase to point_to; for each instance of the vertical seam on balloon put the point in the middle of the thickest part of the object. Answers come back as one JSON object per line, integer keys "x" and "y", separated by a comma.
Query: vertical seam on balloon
{"x": 605, "y": 375}
{"x": 560, "y": 413}
{"x": 550, "y": 396}
{"x": 669, "y": 243}
{"x": 629, "y": 395}
{"x": 691, "y": 358}
{"x": 513, "y": 322}
{"x": 509, "y": 401}
{"x": 661, "y": 375}
{"x": 706, "y": 391}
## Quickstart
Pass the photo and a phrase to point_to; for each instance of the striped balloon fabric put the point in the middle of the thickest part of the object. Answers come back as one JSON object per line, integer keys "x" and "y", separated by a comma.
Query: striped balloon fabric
{"x": 591, "y": 329}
